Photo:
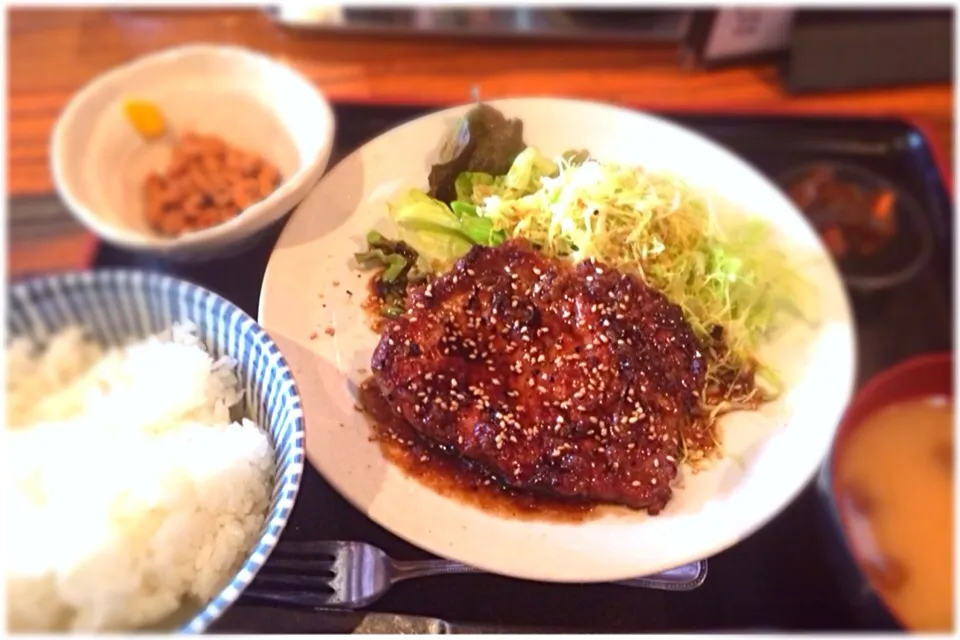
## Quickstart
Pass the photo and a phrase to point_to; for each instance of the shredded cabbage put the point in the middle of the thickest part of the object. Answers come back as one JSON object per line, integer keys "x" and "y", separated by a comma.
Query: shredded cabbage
{"x": 733, "y": 276}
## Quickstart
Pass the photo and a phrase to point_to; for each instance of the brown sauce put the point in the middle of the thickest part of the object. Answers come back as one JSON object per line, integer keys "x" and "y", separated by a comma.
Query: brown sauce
{"x": 444, "y": 472}
{"x": 373, "y": 305}
{"x": 454, "y": 477}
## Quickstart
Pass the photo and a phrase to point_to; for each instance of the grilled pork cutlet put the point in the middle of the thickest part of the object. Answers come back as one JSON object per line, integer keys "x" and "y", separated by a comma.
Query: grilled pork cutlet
{"x": 572, "y": 381}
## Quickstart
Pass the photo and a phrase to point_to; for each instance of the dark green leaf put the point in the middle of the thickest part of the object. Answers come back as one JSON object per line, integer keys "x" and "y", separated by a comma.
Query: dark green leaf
{"x": 487, "y": 142}
{"x": 394, "y": 263}
{"x": 395, "y": 268}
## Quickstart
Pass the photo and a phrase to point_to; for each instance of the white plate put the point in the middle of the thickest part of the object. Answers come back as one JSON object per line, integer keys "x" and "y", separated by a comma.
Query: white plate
{"x": 774, "y": 453}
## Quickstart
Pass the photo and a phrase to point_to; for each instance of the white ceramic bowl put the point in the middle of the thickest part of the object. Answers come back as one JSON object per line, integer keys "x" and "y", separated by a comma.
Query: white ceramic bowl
{"x": 252, "y": 101}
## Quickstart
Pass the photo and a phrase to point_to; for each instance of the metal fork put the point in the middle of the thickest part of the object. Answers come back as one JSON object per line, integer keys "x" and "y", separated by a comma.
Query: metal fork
{"x": 353, "y": 575}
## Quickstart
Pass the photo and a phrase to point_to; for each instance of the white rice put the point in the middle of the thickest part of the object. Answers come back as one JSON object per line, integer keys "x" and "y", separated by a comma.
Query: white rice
{"x": 131, "y": 490}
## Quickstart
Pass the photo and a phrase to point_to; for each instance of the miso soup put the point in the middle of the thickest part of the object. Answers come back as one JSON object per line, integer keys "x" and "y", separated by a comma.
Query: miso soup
{"x": 894, "y": 480}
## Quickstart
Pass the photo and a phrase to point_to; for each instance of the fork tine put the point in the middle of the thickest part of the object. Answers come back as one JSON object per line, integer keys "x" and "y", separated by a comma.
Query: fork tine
{"x": 294, "y": 580}
{"x": 313, "y": 547}
{"x": 296, "y": 598}
{"x": 299, "y": 564}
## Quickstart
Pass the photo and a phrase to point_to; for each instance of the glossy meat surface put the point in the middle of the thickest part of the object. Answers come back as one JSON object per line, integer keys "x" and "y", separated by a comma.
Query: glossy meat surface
{"x": 561, "y": 380}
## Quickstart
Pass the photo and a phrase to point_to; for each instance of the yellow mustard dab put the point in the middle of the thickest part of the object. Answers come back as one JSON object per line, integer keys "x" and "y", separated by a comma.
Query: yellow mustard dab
{"x": 145, "y": 117}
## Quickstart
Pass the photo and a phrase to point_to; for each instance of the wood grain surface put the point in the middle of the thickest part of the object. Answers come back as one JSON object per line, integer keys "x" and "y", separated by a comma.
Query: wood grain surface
{"x": 52, "y": 53}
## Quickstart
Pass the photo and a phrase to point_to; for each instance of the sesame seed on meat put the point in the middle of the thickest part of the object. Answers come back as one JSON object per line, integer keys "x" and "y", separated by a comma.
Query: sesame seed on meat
{"x": 569, "y": 380}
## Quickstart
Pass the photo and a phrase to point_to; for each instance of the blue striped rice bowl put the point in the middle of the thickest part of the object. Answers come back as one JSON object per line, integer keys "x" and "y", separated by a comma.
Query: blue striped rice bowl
{"x": 117, "y": 306}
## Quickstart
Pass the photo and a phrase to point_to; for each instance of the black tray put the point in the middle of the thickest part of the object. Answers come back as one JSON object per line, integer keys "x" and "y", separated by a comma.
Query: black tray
{"x": 780, "y": 577}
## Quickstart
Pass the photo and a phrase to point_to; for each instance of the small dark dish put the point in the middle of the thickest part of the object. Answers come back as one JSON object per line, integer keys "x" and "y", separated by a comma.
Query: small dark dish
{"x": 924, "y": 375}
{"x": 875, "y": 232}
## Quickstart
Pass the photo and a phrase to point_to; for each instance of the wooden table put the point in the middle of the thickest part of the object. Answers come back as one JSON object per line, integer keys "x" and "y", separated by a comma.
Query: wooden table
{"x": 52, "y": 53}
